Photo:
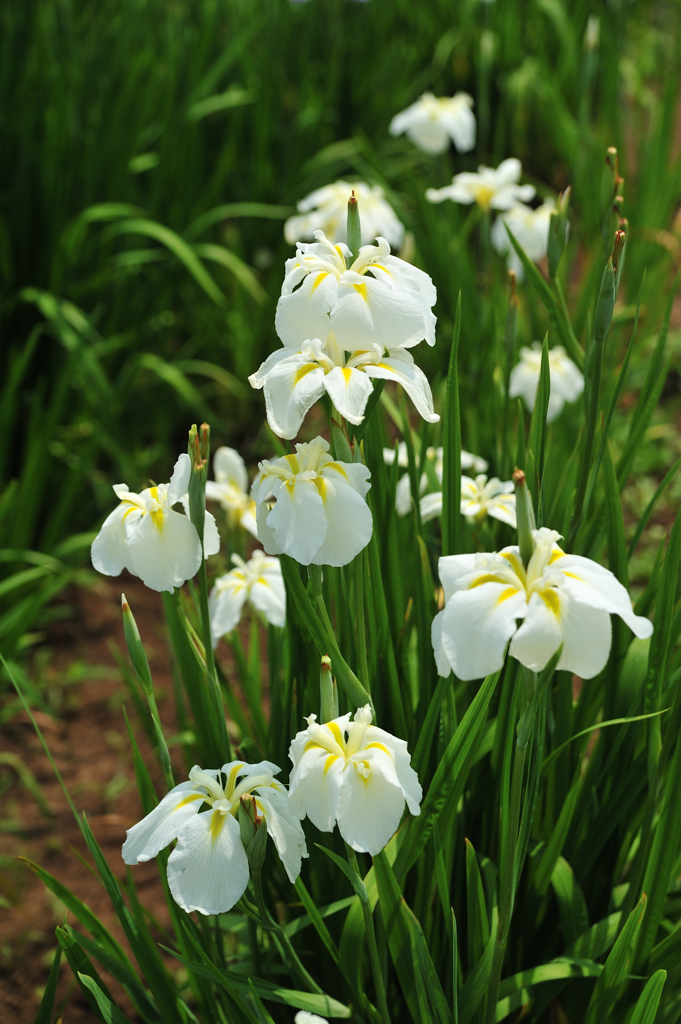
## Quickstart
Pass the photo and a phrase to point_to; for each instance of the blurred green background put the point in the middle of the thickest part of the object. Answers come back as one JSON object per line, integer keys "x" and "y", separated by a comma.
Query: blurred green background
{"x": 153, "y": 148}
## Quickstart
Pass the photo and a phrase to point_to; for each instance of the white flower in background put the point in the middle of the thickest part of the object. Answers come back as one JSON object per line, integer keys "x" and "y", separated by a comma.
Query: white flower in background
{"x": 482, "y": 497}
{"x": 430, "y": 504}
{"x": 258, "y": 581}
{"x": 529, "y": 227}
{"x": 320, "y": 514}
{"x": 305, "y": 1017}
{"x": 326, "y": 209}
{"x": 208, "y": 869}
{"x": 567, "y": 383}
{"x": 148, "y": 538}
{"x": 230, "y": 488}
{"x": 561, "y": 599}
{"x": 294, "y": 381}
{"x": 490, "y": 188}
{"x": 379, "y": 300}
{"x": 432, "y": 122}
{"x": 354, "y": 774}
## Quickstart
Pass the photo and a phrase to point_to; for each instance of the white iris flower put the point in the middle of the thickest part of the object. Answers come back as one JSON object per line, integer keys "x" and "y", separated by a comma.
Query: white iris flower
{"x": 258, "y": 581}
{"x": 294, "y": 381}
{"x": 379, "y": 300}
{"x": 320, "y": 515}
{"x": 529, "y": 227}
{"x": 230, "y": 488}
{"x": 559, "y": 599}
{"x": 432, "y": 122}
{"x": 430, "y": 504}
{"x": 353, "y": 774}
{"x": 482, "y": 497}
{"x": 148, "y": 538}
{"x": 567, "y": 382}
{"x": 208, "y": 869}
{"x": 326, "y": 209}
{"x": 491, "y": 188}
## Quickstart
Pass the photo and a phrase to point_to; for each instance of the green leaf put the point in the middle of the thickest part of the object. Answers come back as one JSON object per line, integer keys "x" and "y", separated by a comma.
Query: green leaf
{"x": 617, "y": 548}
{"x": 109, "y": 1011}
{"x": 645, "y": 1011}
{"x": 80, "y": 965}
{"x": 233, "y": 97}
{"x": 356, "y": 882}
{"x": 230, "y": 211}
{"x": 315, "y": 918}
{"x": 323, "y": 1005}
{"x": 450, "y": 777}
{"x": 515, "y": 991}
{"x": 451, "y": 444}
{"x": 613, "y": 977}
{"x": 650, "y": 507}
{"x": 244, "y": 274}
{"x": 431, "y": 998}
{"x": 476, "y": 907}
{"x": 571, "y": 902}
{"x": 122, "y": 973}
{"x": 537, "y": 439}
{"x": 479, "y": 978}
{"x": 556, "y": 842}
{"x": 44, "y": 1014}
{"x": 393, "y": 907}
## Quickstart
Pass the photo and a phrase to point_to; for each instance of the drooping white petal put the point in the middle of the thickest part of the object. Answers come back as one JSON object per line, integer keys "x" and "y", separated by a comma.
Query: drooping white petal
{"x": 349, "y": 522}
{"x": 541, "y": 634}
{"x": 164, "y": 556}
{"x": 285, "y": 829}
{"x": 403, "y": 495}
{"x": 441, "y": 659}
{"x": 230, "y": 468}
{"x": 431, "y": 506}
{"x": 371, "y": 802}
{"x": 268, "y": 595}
{"x": 476, "y": 626}
{"x": 162, "y": 825}
{"x": 399, "y": 366}
{"x": 208, "y": 869}
{"x": 353, "y": 473}
{"x": 406, "y": 776}
{"x": 366, "y": 312}
{"x": 291, "y": 389}
{"x": 587, "y": 635}
{"x": 225, "y": 605}
{"x": 593, "y": 585}
{"x": 349, "y": 390}
{"x": 179, "y": 481}
{"x": 305, "y": 312}
{"x": 109, "y": 551}
{"x": 211, "y": 537}
{"x": 315, "y": 787}
{"x": 298, "y": 520}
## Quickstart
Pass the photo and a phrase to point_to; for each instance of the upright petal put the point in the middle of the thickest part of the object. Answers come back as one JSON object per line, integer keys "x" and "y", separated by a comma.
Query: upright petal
{"x": 229, "y": 467}
{"x": 211, "y": 537}
{"x": 208, "y": 869}
{"x": 109, "y": 551}
{"x": 305, "y": 312}
{"x": 162, "y": 825}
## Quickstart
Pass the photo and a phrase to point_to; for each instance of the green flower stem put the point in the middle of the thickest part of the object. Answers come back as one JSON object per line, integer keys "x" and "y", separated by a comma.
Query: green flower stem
{"x": 282, "y": 940}
{"x": 323, "y": 638}
{"x": 210, "y": 658}
{"x": 360, "y": 575}
{"x": 507, "y": 879}
{"x": 374, "y": 960}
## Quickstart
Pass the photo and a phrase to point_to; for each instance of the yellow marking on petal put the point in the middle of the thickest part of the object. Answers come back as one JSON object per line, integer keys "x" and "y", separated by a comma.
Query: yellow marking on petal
{"x": 483, "y": 196}
{"x": 379, "y": 746}
{"x": 292, "y": 461}
{"x": 377, "y": 266}
{"x": 334, "y": 729}
{"x": 550, "y": 599}
{"x": 505, "y": 594}
{"x": 131, "y": 509}
{"x": 556, "y": 555}
{"x": 384, "y": 366}
{"x": 329, "y": 761}
{"x": 338, "y": 466}
{"x": 311, "y": 745}
{"x": 572, "y": 575}
{"x": 320, "y": 484}
{"x": 303, "y": 372}
{"x": 231, "y": 780}
{"x": 347, "y": 373}
{"x": 489, "y": 577}
{"x": 191, "y": 798}
{"x": 318, "y": 280}
{"x": 157, "y": 516}
{"x": 217, "y": 821}
{"x": 362, "y": 289}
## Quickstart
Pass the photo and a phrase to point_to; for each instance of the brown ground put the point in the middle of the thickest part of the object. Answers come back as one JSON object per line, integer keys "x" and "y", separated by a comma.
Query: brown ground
{"x": 89, "y": 743}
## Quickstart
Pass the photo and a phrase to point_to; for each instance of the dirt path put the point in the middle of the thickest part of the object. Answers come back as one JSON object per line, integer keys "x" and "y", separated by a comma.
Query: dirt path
{"x": 89, "y": 743}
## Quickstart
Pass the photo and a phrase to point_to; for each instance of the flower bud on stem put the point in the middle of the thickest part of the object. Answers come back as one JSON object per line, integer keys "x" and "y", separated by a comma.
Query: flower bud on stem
{"x": 525, "y": 516}
{"x": 354, "y": 227}
{"x": 253, "y": 832}
{"x": 328, "y": 692}
{"x": 558, "y": 232}
{"x": 143, "y": 673}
